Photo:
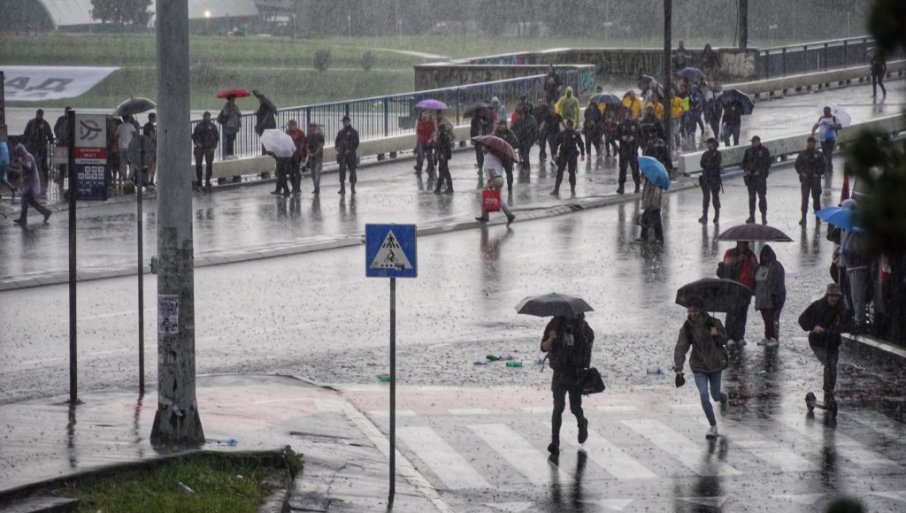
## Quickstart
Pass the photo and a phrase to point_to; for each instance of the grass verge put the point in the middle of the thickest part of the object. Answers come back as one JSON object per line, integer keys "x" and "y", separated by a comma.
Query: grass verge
{"x": 217, "y": 483}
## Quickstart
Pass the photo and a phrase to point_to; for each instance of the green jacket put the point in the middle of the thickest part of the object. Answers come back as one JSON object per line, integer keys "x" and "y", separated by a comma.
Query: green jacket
{"x": 709, "y": 352}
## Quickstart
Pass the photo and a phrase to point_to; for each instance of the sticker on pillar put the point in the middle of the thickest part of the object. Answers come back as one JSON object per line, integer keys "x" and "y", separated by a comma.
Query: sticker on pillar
{"x": 168, "y": 314}
{"x": 390, "y": 251}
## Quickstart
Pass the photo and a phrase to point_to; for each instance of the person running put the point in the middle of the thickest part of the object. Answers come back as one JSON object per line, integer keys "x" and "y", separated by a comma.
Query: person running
{"x": 710, "y": 181}
{"x": 706, "y": 336}
{"x": 827, "y": 127}
{"x": 810, "y": 166}
{"x": 315, "y": 149}
{"x": 570, "y": 146}
{"x": 230, "y": 119}
{"x": 825, "y": 320}
{"x": 31, "y": 185}
{"x": 493, "y": 167}
{"x": 756, "y": 165}
{"x": 770, "y": 294}
{"x": 568, "y": 343}
{"x": 346, "y": 144}
{"x": 878, "y": 70}
{"x": 204, "y": 140}
{"x": 424, "y": 143}
{"x": 738, "y": 264}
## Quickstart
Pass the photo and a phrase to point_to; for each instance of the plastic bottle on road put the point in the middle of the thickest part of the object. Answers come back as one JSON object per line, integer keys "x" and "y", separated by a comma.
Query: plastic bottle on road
{"x": 654, "y": 370}
{"x": 384, "y": 378}
{"x": 514, "y": 363}
{"x": 481, "y": 362}
{"x": 493, "y": 357}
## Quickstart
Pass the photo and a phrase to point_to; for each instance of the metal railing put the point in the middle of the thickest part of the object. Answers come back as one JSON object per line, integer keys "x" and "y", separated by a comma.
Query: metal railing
{"x": 394, "y": 115}
{"x": 816, "y": 56}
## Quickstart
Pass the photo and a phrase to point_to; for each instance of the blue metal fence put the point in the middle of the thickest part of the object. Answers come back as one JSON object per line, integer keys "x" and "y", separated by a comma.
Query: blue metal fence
{"x": 394, "y": 115}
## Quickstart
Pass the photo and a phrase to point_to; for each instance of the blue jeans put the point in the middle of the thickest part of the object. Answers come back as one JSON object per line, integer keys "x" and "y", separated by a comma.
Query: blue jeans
{"x": 701, "y": 381}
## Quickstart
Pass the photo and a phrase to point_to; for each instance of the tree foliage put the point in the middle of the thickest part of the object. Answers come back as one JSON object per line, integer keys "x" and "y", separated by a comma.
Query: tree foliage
{"x": 122, "y": 12}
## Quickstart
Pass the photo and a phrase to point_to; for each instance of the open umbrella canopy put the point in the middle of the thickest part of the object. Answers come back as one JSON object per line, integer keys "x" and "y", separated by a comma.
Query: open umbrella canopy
{"x": 238, "y": 93}
{"x": 497, "y": 146}
{"x": 553, "y": 304}
{"x": 655, "y": 172}
{"x": 692, "y": 73}
{"x": 646, "y": 81}
{"x": 473, "y": 109}
{"x": 840, "y": 113}
{"x": 756, "y": 233}
{"x": 731, "y": 95}
{"x": 134, "y": 106}
{"x": 607, "y": 99}
{"x": 431, "y": 104}
{"x": 839, "y": 216}
{"x": 277, "y": 142}
{"x": 718, "y": 294}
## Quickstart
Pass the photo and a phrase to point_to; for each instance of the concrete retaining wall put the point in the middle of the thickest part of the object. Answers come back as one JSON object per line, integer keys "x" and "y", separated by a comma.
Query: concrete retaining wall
{"x": 439, "y": 75}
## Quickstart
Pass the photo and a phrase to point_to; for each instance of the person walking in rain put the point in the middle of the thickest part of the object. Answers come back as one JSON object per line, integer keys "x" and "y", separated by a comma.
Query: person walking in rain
{"x": 149, "y": 130}
{"x": 878, "y": 70}
{"x": 443, "y": 152}
{"x": 31, "y": 185}
{"x": 346, "y": 144}
{"x": 230, "y": 119}
{"x": 526, "y": 130}
{"x": 710, "y": 181}
{"x": 424, "y": 143}
{"x": 681, "y": 57}
{"x": 542, "y": 112}
{"x": 569, "y": 147}
{"x": 37, "y": 137}
{"x": 825, "y": 320}
{"x": 706, "y": 336}
{"x": 315, "y": 150}
{"x": 651, "y": 213}
{"x": 568, "y": 343}
{"x": 204, "y": 140}
{"x": 713, "y": 109}
{"x": 591, "y": 128}
{"x": 62, "y": 133}
{"x": 498, "y": 111}
{"x": 493, "y": 167}
{"x": 739, "y": 264}
{"x": 756, "y": 165}
{"x": 124, "y": 135}
{"x": 502, "y": 131}
{"x": 568, "y": 107}
{"x": 629, "y": 152}
{"x": 265, "y": 116}
{"x": 732, "y": 122}
{"x": 770, "y": 294}
{"x": 552, "y": 85}
{"x": 827, "y": 127}
{"x": 481, "y": 125}
{"x": 299, "y": 155}
{"x": 4, "y": 162}
{"x": 633, "y": 105}
{"x": 810, "y": 166}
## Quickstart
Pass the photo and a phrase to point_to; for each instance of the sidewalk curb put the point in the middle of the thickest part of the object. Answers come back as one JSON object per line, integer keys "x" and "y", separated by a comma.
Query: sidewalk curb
{"x": 877, "y": 351}
{"x": 540, "y": 211}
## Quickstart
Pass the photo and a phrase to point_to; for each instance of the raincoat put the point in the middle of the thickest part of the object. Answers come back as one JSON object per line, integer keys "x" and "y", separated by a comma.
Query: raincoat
{"x": 770, "y": 286}
{"x": 708, "y": 352}
{"x": 568, "y": 107}
{"x": 31, "y": 179}
{"x": 634, "y": 105}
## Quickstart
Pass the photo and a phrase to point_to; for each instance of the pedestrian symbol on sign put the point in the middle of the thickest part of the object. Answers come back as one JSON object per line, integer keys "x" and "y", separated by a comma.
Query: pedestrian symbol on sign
{"x": 391, "y": 255}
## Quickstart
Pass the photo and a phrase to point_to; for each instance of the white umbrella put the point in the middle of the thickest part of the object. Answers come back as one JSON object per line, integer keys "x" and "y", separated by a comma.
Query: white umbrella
{"x": 277, "y": 142}
{"x": 842, "y": 116}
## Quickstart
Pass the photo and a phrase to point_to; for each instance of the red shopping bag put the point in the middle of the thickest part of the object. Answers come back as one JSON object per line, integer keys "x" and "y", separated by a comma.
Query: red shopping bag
{"x": 490, "y": 200}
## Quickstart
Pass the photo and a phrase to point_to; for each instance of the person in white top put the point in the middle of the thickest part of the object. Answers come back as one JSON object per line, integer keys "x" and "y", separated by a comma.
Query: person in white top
{"x": 124, "y": 134}
{"x": 494, "y": 177}
{"x": 827, "y": 127}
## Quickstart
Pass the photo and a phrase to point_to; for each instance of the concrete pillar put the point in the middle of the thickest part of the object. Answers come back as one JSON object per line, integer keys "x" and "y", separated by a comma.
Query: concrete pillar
{"x": 177, "y": 422}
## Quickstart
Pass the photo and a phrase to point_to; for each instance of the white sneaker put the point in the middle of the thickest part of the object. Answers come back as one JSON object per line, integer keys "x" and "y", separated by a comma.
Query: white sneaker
{"x": 712, "y": 433}
{"x": 772, "y": 342}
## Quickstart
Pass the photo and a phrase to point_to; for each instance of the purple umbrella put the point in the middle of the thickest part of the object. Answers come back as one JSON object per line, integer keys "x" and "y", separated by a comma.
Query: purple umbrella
{"x": 431, "y": 104}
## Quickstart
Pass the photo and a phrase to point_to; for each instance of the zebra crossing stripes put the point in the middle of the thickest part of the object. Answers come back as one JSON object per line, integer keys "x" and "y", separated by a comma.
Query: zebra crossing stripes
{"x": 519, "y": 453}
{"x": 607, "y": 455}
{"x": 679, "y": 447}
{"x": 774, "y": 454}
{"x": 844, "y": 445}
{"x": 449, "y": 466}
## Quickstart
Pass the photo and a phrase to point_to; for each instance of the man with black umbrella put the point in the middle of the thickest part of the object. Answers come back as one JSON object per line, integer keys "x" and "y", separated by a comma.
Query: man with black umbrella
{"x": 568, "y": 343}
{"x": 756, "y": 164}
{"x": 810, "y": 166}
{"x": 732, "y": 121}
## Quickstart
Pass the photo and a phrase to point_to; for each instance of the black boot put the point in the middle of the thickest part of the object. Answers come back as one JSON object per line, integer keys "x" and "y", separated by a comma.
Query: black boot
{"x": 583, "y": 430}
{"x": 802, "y": 221}
{"x": 716, "y": 216}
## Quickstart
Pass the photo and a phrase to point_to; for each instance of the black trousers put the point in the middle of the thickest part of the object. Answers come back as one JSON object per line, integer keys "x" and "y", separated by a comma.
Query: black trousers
{"x": 758, "y": 187}
{"x": 525, "y": 150}
{"x": 736, "y": 322}
{"x": 877, "y": 80}
{"x": 207, "y": 157}
{"x": 653, "y": 221}
{"x": 827, "y": 148}
{"x": 443, "y": 175}
{"x": 827, "y": 348}
{"x": 552, "y": 141}
{"x": 811, "y": 187}
{"x": 563, "y": 383}
{"x": 28, "y": 199}
{"x": 347, "y": 163}
{"x": 610, "y": 142}
{"x": 569, "y": 162}
{"x": 508, "y": 169}
{"x": 593, "y": 138}
{"x": 630, "y": 159}
{"x": 479, "y": 158}
{"x": 710, "y": 194}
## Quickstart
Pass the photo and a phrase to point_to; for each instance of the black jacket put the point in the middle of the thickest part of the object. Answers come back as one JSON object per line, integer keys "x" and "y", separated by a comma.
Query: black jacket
{"x": 810, "y": 165}
{"x": 629, "y": 133}
{"x": 710, "y": 163}
{"x": 526, "y": 129}
{"x": 834, "y": 319}
{"x": 508, "y": 136}
{"x": 205, "y": 136}
{"x": 313, "y": 142}
{"x": 757, "y": 162}
{"x": 37, "y": 136}
{"x": 733, "y": 113}
{"x": 266, "y": 115}
{"x": 444, "y": 143}
{"x": 347, "y": 141}
{"x": 570, "y": 144}
{"x": 481, "y": 126}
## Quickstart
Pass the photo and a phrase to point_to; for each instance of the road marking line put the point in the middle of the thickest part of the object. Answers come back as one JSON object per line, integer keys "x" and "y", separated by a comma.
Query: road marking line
{"x": 693, "y": 456}
{"x": 386, "y": 414}
{"x": 774, "y": 454}
{"x": 880, "y": 424}
{"x": 535, "y": 410}
{"x": 468, "y": 411}
{"x": 449, "y": 466}
{"x": 520, "y": 454}
{"x": 606, "y": 455}
{"x": 844, "y": 445}
{"x": 616, "y": 408}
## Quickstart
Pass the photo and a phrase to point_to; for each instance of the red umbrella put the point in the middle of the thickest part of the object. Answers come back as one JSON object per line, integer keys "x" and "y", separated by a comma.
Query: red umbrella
{"x": 497, "y": 146}
{"x": 238, "y": 93}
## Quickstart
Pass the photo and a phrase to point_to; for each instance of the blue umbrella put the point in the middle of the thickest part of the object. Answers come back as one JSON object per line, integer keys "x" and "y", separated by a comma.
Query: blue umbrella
{"x": 730, "y": 95}
{"x": 655, "y": 172}
{"x": 839, "y": 216}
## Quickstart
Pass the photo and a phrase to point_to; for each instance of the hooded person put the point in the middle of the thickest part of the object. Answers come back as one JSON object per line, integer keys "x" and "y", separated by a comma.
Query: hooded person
{"x": 770, "y": 294}
{"x": 825, "y": 320}
{"x": 31, "y": 184}
{"x": 568, "y": 107}
{"x": 498, "y": 111}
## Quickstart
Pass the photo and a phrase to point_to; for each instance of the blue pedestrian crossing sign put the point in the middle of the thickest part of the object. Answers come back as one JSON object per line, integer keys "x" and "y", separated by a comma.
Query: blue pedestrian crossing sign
{"x": 390, "y": 251}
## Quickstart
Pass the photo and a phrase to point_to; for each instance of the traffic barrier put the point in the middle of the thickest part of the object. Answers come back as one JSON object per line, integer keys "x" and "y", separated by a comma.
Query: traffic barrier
{"x": 783, "y": 147}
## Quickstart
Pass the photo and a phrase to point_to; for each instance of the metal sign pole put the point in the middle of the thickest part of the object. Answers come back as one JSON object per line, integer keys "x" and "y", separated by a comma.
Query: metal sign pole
{"x": 73, "y": 334}
{"x": 141, "y": 276}
{"x": 392, "y": 391}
